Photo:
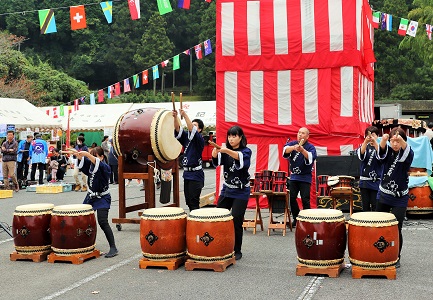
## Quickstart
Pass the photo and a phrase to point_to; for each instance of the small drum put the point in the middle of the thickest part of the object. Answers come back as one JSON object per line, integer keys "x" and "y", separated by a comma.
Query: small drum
{"x": 345, "y": 181}
{"x": 323, "y": 189}
{"x": 31, "y": 228}
{"x": 73, "y": 229}
{"x": 373, "y": 240}
{"x": 162, "y": 233}
{"x": 266, "y": 181}
{"x": 279, "y": 182}
{"x": 420, "y": 200}
{"x": 210, "y": 235}
{"x": 320, "y": 237}
{"x": 257, "y": 182}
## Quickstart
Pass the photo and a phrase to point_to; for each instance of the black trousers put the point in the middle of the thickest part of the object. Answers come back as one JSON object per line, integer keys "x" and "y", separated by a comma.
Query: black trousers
{"x": 399, "y": 213}
{"x": 102, "y": 215}
{"x": 114, "y": 175}
{"x": 192, "y": 190}
{"x": 304, "y": 189}
{"x": 41, "y": 168}
{"x": 369, "y": 199}
{"x": 22, "y": 166}
{"x": 238, "y": 207}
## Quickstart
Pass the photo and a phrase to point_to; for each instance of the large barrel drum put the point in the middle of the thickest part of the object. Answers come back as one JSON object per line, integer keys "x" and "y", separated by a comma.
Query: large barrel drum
{"x": 162, "y": 233}
{"x": 320, "y": 237}
{"x": 31, "y": 228}
{"x": 73, "y": 229}
{"x": 373, "y": 240}
{"x": 210, "y": 235}
{"x": 420, "y": 200}
{"x": 147, "y": 131}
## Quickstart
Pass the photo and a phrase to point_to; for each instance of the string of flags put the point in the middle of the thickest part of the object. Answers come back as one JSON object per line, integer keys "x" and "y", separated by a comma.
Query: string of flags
{"x": 139, "y": 79}
{"x": 406, "y": 27}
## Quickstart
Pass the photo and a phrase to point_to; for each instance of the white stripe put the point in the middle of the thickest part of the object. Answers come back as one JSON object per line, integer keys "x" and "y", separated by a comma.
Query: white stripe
{"x": 284, "y": 98}
{"x": 311, "y": 289}
{"x": 256, "y": 83}
{"x": 227, "y": 29}
{"x": 308, "y": 26}
{"x": 311, "y": 97}
{"x": 280, "y": 27}
{"x": 231, "y": 96}
{"x": 335, "y": 16}
{"x": 321, "y": 151}
{"x": 253, "y": 28}
{"x": 365, "y": 97}
{"x": 345, "y": 149}
{"x": 273, "y": 158}
{"x": 370, "y": 102}
{"x": 359, "y": 23}
{"x": 253, "y": 159}
{"x": 346, "y": 109}
{"x": 5, "y": 241}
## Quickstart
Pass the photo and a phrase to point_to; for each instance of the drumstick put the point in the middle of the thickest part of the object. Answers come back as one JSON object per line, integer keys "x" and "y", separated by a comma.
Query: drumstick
{"x": 214, "y": 144}
{"x": 301, "y": 142}
{"x": 180, "y": 100}
{"x": 172, "y": 100}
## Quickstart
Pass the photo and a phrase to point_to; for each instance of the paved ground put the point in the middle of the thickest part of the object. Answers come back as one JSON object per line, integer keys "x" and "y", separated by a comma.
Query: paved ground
{"x": 267, "y": 270}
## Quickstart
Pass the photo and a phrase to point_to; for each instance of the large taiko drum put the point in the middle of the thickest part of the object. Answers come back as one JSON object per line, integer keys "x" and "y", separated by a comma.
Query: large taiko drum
{"x": 73, "y": 229}
{"x": 420, "y": 200}
{"x": 31, "y": 228}
{"x": 162, "y": 233}
{"x": 147, "y": 131}
{"x": 210, "y": 235}
{"x": 320, "y": 237}
{"x": 373, "y": 240}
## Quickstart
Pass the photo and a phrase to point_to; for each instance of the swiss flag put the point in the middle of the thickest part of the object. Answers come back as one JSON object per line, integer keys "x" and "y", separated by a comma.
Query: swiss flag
{"x": 145, "y": 77}
{"x": 78, "y": 17}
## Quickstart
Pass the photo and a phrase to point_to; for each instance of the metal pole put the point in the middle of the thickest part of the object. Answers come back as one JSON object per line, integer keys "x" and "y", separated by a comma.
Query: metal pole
{"x": 190, "y": 72}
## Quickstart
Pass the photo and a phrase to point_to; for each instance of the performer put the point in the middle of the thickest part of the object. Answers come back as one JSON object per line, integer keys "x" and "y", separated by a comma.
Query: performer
{"x": 193, "y": 144}
{"x": 371, "y": 169}
{"x": 98, "y": 175}
{"x": 235, "y": 156}
{"x": 394, "y": 192}
{"x": 23, "y": 158}
{"x": 301, "y": 155}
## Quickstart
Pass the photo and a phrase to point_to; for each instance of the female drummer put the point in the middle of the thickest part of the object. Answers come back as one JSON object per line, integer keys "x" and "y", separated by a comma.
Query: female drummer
{"x": 394, "y": 192}
{"x": 92, "y": 164}
{"x": 235, "y": 157}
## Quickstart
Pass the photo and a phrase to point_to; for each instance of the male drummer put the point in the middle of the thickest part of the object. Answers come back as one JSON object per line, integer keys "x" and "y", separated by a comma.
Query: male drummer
{"x": 301, "y": 155}
{"x": 193, "y": 145}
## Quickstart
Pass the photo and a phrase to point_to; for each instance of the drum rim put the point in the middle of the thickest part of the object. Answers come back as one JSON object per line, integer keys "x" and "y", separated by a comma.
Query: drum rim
{"x": 202, "y": 212}
{"x": 116, "y": 143}
{"x": 315, "y": 212}
{"x": 28, "y": 207}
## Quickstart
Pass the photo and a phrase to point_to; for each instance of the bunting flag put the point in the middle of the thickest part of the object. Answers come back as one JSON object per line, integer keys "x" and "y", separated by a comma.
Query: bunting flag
{"x": 164, "y": 63}
{"x": 126, "y": 86}
{"x": 47, "y": 112}
{"x": 47, "y": 22}
{"x": 176, "y": 62}
{"x": 76, "y": 106}
{"x": 62, "y": 110}
{"x": 82, "y": 99}
{"x": 107, "y": 8}
{"x": 208, "y": 1}
{"x": 69, "y": 109}
{"x": 109, "y": 92}
{"x": 101, "y": 95}
{"x": 164, "y": 6}
{"x": 55, "y": 112}
{"x": 402, "y": 29}
{"x": 92, "y": 99}
{"x": 155, "y": 72}
{"x": 136, "y": 81}
{"x": 145, "y": 77}
{"x": 386, "y": 22}
{"x": 428, "y": 29}
{"x": 411, "y": 30}
{"x": 134, "y": 9}
{"x": 78, "y": 17}
{"x": 198, "y": 53}
{"x": 376, "y": 17}
{"x": 207, "y": 47}
{"x": 117, "y": 89}
{"x": 183, "y": 4}
{"x": 186, "y": 52}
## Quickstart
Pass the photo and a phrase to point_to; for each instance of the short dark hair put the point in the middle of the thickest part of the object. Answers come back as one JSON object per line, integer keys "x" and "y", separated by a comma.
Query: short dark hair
{"x": 81, "y": 138}
{"x": 10, "y": 131}
{"x": 199, "y": 122}
{"x": 430, "y": 125}
{"x": 400, "y": 132}
{"x": 372, "y": 129}
{"x": 55, "y": 150}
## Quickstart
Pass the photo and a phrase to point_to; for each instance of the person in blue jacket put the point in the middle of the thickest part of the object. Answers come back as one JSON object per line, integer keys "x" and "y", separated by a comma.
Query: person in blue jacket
{"x": 23, "y": 158}
{"x": 38, "y": 155}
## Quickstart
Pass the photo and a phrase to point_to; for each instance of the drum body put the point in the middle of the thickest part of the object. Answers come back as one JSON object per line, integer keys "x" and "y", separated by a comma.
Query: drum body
{"x": 31, "y": 228}
{"x": 320, "y": 237}
{"x": 257, "y": 182}
{"x": 345, "y": 181}
{"x": 420, "y": 200}
{"x": 266, "y": 181}
{"x": 73, "y": 229}
{"x": 148, "y": 131}
{"x": 210, "y": 235}
{"x": 323, "y": 189}
{"x": 373, "y": 240}
{"x": 279, "y": 181}
{"x": 162, "y": 233}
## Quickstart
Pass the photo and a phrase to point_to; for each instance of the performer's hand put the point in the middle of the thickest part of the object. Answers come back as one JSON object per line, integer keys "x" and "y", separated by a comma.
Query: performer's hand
{"x": 174, "y": 113}
{"x": 385, "y": 137}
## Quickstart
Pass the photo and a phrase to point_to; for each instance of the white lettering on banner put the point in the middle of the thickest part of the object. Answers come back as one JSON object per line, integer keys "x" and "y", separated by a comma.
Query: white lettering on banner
{"x": 227, "y": 29}
{"x": 280, "y": 27}
{"x": 253, "y": 28}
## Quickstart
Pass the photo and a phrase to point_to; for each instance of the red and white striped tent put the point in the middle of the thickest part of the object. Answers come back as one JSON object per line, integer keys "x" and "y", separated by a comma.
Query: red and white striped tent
{"x": 286, "y": 64}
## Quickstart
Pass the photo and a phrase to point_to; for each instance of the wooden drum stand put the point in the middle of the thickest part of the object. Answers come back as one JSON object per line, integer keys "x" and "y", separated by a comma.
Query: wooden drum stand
{"x": 149, "y": 201}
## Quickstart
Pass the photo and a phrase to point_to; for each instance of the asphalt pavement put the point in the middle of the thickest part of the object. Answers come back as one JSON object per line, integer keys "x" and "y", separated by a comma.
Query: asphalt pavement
{"x": 266, "y": 271}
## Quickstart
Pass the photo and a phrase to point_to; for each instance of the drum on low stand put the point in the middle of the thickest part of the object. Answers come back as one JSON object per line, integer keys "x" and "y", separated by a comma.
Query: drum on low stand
{"x": 420, "y": 200}
{"x": 73, "y": 229}
{"x": 162, "y": 233}
{"x": 266, "y": 181}
{"x": 31, "y": 228}
{"x": 344, "y": 181}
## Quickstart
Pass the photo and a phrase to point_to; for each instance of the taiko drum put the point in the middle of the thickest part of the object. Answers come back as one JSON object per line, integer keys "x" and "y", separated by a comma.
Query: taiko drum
{"x": 279, "y": 182}
{"x": 31, "y": 228}
{"x": 320, "y": 237}
{"x": 257, "y": 182}
{"x": 373, "y": 240}
{"x": 210, "y": 235}
{"x": 73, "y": 229}
{"x": 344, "y": 181}
{"x": 420, "y": 200}
{"x": 162, "y": 233}
{"x": 266, "y": 181}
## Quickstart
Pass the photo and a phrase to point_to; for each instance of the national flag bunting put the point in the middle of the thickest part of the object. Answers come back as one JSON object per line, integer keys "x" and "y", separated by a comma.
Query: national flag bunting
{"x": 107, "y": 9}
{"x": 134, "y": 9}
{"x": 92, "y": 99}
{"x": 110, "y": 92}
{"x": 78, "y": 17}
{"x": 47, "y": 22}
{"x": 386, "y": 22}
{"x": 126, "y": 86}
{"x": 428, "y": 29}
{"x": 55, "y": 112}
{"x": 411, "y": 30}
{"x": 376, "y": 17}
{"x": 155, "y": 72}
{"x": 207, "y": 47}
{"x": 136, "y": 81}
{"x": 82, "y": 99}
{"x": 187, "y": 52}
{"x": 117, "y": 89}
{"x": 185, "y": 4}
{"x": 164, "y": 6}
{"x": 176, "y": 62}
{"x": 62, "y": 110}
{"x": 101, "y": 95}
{"x": 198, "y": 53}
{"x": 402, "y": 28}
{"x": 145, "y": 77}
{"x": 164, "y": 63}
{"x": 76, "y": 105}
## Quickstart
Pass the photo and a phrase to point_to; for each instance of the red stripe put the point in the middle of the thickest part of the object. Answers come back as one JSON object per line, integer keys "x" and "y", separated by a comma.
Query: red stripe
{"x": 267, "y": 30}
{"x": 321, "y": 27}
{"x": 294, "y": 23}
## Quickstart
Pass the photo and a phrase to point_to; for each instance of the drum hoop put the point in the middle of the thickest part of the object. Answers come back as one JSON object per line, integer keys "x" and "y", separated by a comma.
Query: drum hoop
{"x": 317, "y": 219}
{"x": 38, "y": 212}
{"x": 373, "y": 223}
{"x": 210, "y": 259}
{"x": 154, "y": 137}
{"x": 151, "y": 256}
{"x": 73, "y": 213}
{"x": 67, "y": 252}
{"x": 371, "y": 265}
{"x": 224, "y": 218}
{"x": 177, "y": 216}
{"x": 116, "y": 143}
{"x": 321, "y": 263}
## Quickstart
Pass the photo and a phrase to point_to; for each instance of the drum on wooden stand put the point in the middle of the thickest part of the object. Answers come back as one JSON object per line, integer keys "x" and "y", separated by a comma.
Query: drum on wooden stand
{"x": 266, "y": 181}
{"x": 320, "y": 237}
{"x": 73, "y": 229}
{"x": 162, "y": 233}
{"x": 344, "y": 181}
{"x": 279, "y": 181}
{"x": 420, "y": 200}
{"x": 31, "y": 228}
{"x": 257, "y": 182}
{"x": 210, "y": 235}
{"x": 373, "y": 240}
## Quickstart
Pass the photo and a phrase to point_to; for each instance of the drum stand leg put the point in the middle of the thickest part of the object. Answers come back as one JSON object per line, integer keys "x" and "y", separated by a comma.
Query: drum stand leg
{"x": 170, "y": 264}
{"x": 217, "y": 266}
{"x": 76, "y": 259}
{"x": 359, "y": 272}
{"x": 332, "y": 271}
{"x": 257, "y": 218}
{"x": 6, "y": 229}
{"x": 35, "y": 257}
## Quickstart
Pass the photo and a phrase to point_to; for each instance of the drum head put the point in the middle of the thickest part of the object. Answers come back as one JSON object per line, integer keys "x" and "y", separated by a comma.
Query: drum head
{"x": 34, "y": 207}
{"x": 321, "y": 213}
{"x": 164, "y": 144}
{"x": 73, "y": 209}
{"x": 210, "y": 214}
{"x": 163, "y": 213}
{"x": 372, "y": 216}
